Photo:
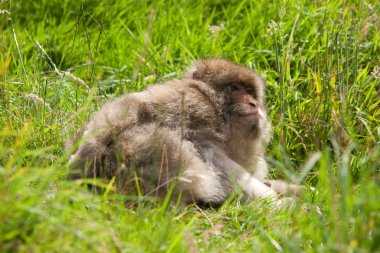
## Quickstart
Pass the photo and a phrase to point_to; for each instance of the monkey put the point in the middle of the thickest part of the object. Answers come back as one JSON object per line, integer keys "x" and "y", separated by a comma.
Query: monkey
{"x": 205, "y": 134}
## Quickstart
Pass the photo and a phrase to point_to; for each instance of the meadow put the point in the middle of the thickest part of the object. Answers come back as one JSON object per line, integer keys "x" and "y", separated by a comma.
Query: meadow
{"x": 60, "y": 60}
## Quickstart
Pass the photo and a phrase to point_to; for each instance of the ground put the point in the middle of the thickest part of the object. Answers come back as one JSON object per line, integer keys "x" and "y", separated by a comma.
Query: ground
{"x": 60, "y": 60}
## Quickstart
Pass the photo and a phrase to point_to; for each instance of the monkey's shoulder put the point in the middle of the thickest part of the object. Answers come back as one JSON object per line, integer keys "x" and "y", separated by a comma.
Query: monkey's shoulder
{"x": 174, "y": 101}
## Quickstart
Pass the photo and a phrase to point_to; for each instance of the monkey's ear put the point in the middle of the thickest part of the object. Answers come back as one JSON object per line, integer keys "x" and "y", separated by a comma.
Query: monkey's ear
{"x": 196, "y": 71}
{"x": 196, "y": 75}
{"x": 193, "y": 72}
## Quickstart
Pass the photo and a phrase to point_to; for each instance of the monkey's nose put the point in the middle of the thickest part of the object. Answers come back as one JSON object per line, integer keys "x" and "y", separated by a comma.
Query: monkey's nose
{"x": 253, "y": 104}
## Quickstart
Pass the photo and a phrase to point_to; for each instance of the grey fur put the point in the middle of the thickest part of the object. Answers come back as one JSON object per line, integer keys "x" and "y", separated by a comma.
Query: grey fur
{"x": 195, "y": 131}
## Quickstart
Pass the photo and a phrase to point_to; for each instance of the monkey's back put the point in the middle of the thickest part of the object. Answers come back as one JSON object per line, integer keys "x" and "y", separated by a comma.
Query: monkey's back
{"x": 133, "y": 118}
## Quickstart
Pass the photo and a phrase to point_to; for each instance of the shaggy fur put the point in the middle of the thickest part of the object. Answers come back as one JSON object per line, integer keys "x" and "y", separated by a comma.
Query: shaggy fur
{"x": 205, "y": 132}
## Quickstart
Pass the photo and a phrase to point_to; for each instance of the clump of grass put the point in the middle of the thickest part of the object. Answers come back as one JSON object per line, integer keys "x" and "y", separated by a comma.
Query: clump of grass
{"x": 321, "y": 65}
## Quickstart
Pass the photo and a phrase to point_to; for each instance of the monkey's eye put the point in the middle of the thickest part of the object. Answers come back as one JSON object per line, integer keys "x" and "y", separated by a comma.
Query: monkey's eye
{"x": 249, "y": 90}
{"x": 234, "y": 87}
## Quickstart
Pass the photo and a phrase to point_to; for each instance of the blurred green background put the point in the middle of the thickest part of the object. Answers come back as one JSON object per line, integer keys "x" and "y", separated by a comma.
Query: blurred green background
{"x": 60, "y": 60}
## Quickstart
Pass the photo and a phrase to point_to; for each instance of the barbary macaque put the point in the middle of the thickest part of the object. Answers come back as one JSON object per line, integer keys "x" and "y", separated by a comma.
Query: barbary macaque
{"x": 205, "y": 133}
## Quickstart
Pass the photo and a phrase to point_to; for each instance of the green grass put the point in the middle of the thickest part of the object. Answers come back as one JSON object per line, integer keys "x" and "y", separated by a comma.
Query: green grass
{"x": 321, "y": 62}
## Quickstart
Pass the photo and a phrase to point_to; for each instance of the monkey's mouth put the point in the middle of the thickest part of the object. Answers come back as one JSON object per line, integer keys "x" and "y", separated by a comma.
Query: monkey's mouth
{"x": 251, "y": 119}
{"x": 245, "y": 113}
{"x": 249, "y": 113}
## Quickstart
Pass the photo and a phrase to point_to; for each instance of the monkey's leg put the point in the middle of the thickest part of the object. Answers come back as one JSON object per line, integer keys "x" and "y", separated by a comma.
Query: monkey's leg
{"x": 166, "y": 158}
{"x": 98, "y": 155}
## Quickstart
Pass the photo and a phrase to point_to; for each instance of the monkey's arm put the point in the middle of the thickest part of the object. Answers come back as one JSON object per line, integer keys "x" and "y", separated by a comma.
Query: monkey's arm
{"x": 251, "y": 186}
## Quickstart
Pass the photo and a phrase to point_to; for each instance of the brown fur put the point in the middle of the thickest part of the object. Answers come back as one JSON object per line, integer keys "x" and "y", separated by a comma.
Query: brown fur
{"x": 206, "y": 132}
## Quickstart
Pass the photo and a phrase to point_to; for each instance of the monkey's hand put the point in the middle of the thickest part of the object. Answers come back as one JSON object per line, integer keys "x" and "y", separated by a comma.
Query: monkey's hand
{"x": 282, "y": 187}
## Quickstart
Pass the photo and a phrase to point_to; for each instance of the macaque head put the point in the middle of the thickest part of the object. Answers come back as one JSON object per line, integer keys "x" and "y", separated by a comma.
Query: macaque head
{"x": 240, "y": 92}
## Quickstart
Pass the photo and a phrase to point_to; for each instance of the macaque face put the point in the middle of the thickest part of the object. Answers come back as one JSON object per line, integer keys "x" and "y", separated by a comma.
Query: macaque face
{"x": 242, "y": 104}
